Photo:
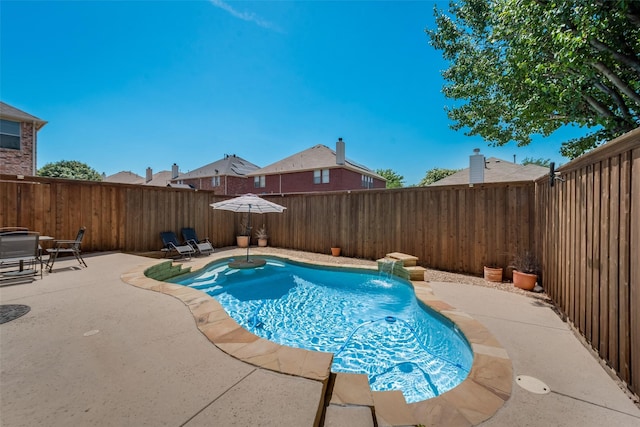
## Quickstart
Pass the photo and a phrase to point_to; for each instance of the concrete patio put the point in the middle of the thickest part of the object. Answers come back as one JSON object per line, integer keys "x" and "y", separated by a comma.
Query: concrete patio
{"x": 94, "y": 350}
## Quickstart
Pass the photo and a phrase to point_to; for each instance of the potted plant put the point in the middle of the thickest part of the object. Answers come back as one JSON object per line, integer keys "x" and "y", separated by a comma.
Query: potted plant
{"x": 493, "y": 274}
{"x": 525, "y": 270}
{"x": 262, "y": 236}
{"x": 242, "y": 238}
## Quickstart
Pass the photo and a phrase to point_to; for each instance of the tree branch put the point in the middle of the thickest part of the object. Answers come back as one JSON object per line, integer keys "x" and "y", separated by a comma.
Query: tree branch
{"x": 617, "y": 98}
{"x": 598, "y": 107}
{"x": 617, "y": 82}
{"x": 625, "y": 59}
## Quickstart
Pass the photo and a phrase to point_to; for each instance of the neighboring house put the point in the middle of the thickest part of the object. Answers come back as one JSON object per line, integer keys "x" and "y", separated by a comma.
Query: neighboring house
{"x": 318, "y": 168}
{"x": 124, "y": 177}
{"x": 18, "y": 141}
{"x": 227, "y": 176}
{"x": 494, "y": 170}
{"x": 159, "y": 179}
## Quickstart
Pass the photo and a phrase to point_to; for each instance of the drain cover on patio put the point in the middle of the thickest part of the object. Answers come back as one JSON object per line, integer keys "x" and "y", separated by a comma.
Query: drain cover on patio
{"x": 533, "y": 385}
{"x": 9, "y": 312}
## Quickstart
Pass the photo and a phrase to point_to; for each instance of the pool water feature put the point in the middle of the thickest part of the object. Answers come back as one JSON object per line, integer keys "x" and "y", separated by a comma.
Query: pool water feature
{"x": 373, "y": 324}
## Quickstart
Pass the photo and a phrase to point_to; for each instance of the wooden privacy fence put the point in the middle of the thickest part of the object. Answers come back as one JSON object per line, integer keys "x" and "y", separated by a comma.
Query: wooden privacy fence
{"x": 589, "y": 222}
{"x": 457, "y": 228}
{"x": 117, "y": 216}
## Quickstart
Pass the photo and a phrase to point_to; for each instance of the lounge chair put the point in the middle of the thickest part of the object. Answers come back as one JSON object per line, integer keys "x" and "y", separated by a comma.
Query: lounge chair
{"x": 171, "y": 244}
{"x": 66, "y": 247}
{"x": 203, "y": 247}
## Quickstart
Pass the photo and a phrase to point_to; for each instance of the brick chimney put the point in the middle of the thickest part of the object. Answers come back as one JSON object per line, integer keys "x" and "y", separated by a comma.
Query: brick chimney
{"x": 174, "y": 171}
{"x": 149, "y": 176}
{"x": 340, "y": 152}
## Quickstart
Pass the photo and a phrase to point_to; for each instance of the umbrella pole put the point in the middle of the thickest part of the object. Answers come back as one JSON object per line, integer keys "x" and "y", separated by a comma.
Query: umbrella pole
{"x": 249, "y": 244}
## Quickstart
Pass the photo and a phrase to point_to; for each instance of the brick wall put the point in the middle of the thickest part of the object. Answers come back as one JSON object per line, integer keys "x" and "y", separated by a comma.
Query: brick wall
{"x": 302, "y": 182}
{"x": 20, "y": 162}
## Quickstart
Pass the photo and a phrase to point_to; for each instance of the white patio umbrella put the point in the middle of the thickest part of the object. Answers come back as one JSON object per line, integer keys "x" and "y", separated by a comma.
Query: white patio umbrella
{"x": 249, "y": 203}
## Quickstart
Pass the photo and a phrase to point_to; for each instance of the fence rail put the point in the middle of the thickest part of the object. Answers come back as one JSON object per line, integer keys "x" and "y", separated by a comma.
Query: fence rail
{"x": 585, "y": 230}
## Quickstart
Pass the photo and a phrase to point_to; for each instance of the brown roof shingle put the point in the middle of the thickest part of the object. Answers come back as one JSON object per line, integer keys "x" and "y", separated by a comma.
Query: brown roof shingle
{"x": 317, "y": 157}
{"x": 497, "y": 170}
{"x": 229, "y": 165}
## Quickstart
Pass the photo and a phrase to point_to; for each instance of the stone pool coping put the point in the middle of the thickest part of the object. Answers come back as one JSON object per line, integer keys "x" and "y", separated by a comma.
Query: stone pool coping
{"x": 485, "y": 390}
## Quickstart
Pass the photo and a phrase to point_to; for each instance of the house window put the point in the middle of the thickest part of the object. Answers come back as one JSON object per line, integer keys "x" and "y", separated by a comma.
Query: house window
{"x": 215, "y": 181}
{"x": 321, "y": 176}
{"x": 259, "y": 181}
{"x": 9, "y": 134}
{"x": 367, "y": 181}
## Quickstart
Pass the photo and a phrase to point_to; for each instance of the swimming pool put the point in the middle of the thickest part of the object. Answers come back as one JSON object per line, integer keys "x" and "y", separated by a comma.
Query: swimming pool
{"x": 372, "y": 323}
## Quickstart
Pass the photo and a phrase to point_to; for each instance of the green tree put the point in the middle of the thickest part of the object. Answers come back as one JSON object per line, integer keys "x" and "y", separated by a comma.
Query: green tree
{"x": 393, "y": 179}
{"x": 70, "y": 169}
{"x": 524, "y": 67}
{"x": 436, "y": 174}
{"x": 540, "y": 162}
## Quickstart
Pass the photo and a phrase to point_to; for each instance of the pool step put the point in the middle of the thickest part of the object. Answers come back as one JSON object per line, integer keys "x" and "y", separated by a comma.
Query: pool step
{"x": 416, "y": 272}
{"x": 392, "y": 410}
{"x": 350, "y": 403}
{"x": 353, "y": 404}
{"x": 165, "y": 270}
{"x": 348, "y": 416}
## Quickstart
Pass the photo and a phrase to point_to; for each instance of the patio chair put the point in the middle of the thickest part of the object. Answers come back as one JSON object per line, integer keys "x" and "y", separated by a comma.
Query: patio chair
{"x": 66, "y": 247}
{"x": 19, "y": 256}
{"x": 14, "y": 230}
{"x": 171, "y": 244}
{"x": 203, "y": 247}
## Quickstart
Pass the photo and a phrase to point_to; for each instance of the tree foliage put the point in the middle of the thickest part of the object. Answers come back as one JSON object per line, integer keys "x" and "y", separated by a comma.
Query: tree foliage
{"x": 540, "y": 161}
{"x": 70, "y": 169}
{"x": 436, "y": 174}
{"x": 524, "y": 67}
{"x": 393, "y": 179}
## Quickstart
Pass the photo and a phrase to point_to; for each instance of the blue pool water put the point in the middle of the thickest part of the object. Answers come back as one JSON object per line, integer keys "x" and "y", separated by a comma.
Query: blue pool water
{"x": 372, "y": 323}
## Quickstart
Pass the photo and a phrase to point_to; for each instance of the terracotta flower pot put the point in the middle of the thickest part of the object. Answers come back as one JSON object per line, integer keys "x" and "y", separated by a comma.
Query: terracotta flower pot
{"x": 524, "y": 281}
{"x": 242, "y": 241}
{"x": 493, "y": 274}
{"x": 335, "y": 251}
{"x": 262, "y": 242}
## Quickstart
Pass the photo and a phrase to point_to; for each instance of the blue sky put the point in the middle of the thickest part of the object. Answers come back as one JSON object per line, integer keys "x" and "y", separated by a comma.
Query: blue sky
{"x": 129, "y": 84}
